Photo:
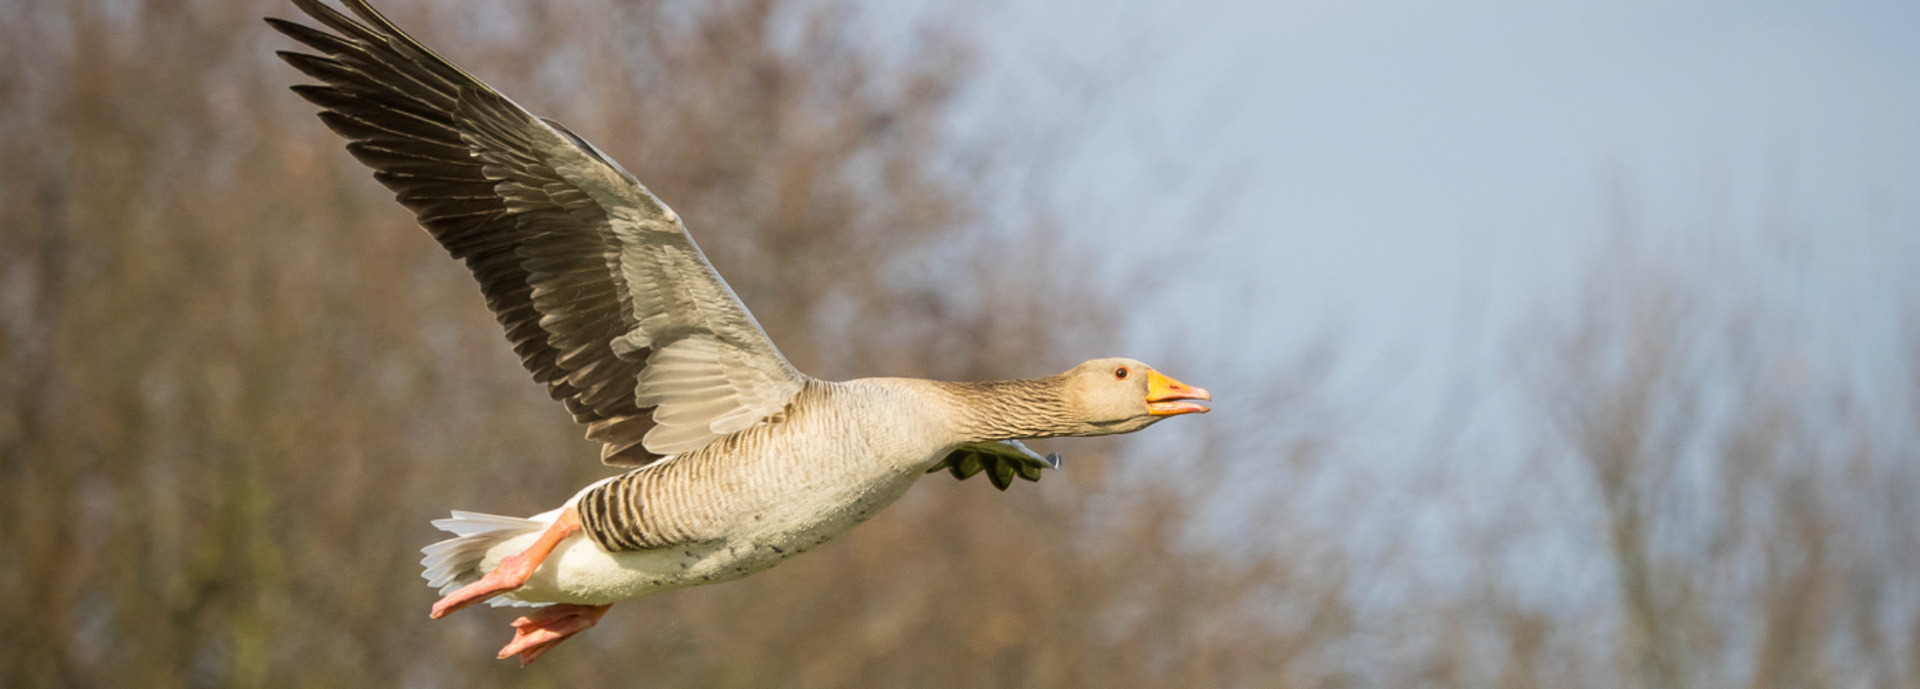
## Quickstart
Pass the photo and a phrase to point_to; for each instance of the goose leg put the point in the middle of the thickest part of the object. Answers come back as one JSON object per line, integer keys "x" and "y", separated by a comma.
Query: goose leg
{"x": 539, "y": 632}
{"x": 513, "y": 571}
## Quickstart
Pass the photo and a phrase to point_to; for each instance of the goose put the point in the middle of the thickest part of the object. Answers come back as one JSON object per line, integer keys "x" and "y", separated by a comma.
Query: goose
{"x": 735, "y": 460}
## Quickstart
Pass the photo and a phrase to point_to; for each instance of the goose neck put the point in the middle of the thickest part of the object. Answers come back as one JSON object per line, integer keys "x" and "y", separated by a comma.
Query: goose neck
{"x": 1011, "y": 409}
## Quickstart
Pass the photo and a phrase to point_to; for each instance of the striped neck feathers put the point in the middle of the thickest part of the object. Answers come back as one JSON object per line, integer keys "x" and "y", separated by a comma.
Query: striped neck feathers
{"x": 1014, "y": 409}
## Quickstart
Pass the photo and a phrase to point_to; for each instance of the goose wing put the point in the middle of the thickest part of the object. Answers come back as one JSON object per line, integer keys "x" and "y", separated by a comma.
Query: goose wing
{"x": 602, "y": 293}
{"x": 1000, "y": 459}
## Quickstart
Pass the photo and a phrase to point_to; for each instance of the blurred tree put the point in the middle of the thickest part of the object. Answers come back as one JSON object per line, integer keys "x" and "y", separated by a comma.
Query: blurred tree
{"x": 238, "y": 382}
{"x": 1748, "y": 519}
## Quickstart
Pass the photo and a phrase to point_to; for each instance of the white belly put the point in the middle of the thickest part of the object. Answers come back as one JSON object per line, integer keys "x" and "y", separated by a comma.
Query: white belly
{"x": 579, "y": 571}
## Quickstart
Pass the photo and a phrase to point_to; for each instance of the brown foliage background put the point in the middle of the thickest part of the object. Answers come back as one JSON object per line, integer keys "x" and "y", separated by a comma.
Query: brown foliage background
{"x": 237, "y": 383}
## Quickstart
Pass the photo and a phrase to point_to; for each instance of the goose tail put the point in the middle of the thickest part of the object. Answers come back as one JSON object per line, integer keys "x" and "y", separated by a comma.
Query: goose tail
{"x": 455, "y": 562}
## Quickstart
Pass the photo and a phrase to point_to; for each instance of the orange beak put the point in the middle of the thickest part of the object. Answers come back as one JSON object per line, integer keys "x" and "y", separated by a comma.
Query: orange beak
{"x": 1167, "y": 397}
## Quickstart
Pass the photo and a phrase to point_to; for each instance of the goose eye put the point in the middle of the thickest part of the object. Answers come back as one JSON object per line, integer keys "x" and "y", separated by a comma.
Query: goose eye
{"x": 1120, "y": 373}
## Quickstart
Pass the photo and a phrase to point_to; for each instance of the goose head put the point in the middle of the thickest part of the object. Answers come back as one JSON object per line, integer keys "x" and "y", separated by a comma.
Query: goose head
{"x": 1119, "y": 395}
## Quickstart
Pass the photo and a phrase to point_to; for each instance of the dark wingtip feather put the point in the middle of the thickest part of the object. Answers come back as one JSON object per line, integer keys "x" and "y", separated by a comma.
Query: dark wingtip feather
{"x": 397, "y": 102}
{"x": 335, "y": 20}
{"x": 315, "y": 93}
{"x": 314, "y": 38}
{"x": 288, "y": 27}
{"x": 309, "y": 64}
{"x": 370, "y": 15}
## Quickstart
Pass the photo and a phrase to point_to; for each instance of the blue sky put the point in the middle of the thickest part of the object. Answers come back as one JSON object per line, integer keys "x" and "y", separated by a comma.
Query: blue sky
{"x": 1423, "y": 181}
{"x": 1419, "y": 177}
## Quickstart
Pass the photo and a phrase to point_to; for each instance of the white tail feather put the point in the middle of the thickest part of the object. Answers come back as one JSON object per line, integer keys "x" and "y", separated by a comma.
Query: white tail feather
{"x": 455, "y": 562}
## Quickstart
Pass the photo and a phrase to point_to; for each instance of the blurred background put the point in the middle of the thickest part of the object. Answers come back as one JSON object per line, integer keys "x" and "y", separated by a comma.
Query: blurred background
{"x": 1553, "y": 346}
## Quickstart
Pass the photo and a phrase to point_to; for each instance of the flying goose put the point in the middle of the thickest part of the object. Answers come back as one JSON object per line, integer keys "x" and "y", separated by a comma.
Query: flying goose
{"x": 737, "y": 460}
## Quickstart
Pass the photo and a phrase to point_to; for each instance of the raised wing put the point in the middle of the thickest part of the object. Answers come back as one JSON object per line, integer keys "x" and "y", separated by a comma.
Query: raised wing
{"x": 603, "y": 294}
{"x": 1000, "y": 459}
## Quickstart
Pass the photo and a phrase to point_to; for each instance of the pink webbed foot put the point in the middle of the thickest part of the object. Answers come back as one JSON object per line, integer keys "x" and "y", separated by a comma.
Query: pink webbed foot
{"x": 514, "y": 570}
{"x": 539, "y": 632}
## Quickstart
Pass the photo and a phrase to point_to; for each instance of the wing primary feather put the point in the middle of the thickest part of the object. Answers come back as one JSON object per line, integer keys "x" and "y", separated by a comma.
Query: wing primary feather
{"x": 611, "y": 314}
